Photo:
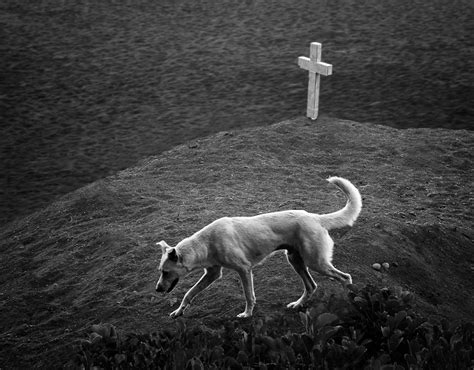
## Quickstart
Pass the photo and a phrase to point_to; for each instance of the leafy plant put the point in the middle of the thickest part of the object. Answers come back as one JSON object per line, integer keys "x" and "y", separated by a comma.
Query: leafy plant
{"x": 372, "y": 328}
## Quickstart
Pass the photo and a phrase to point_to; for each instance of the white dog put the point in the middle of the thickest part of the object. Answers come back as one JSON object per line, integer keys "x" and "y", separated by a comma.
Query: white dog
{"x": 239, "y": 243}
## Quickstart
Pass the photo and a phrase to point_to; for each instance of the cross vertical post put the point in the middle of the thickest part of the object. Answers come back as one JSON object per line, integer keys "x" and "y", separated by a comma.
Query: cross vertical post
{"x": 316, "y": 68}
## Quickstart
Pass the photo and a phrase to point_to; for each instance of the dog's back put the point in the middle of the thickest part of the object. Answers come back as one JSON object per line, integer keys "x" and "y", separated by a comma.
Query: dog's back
{"x": 269, "y": 231}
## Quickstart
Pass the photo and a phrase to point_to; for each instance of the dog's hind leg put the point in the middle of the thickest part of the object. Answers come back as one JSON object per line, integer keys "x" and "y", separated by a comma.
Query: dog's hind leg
{"x": 326, "y": 268}
{"x": 210, "y": 275}
{"x": 318, "y": 256}
{"x": 246, "y": 277}
{"x": 294, "y": 258}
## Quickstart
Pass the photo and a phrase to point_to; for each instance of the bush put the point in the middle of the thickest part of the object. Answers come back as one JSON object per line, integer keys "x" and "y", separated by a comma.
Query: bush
{"x": 371, "y": 328}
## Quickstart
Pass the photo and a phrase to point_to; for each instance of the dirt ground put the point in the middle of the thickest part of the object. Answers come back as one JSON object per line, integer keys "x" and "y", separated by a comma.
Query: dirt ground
{"x": 91, "y": 87}
{"x": 90, "y": 257}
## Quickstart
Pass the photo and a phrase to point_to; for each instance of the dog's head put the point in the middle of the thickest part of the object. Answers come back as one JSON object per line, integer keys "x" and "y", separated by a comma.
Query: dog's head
{"x": 171, "y": 268}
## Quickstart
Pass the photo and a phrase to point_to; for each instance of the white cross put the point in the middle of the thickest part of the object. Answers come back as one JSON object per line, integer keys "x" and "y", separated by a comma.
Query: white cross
{"x": 316, "y": 68}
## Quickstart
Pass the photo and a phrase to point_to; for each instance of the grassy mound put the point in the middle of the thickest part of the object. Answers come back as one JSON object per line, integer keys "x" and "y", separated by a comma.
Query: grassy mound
{"x": 90, "y": 257}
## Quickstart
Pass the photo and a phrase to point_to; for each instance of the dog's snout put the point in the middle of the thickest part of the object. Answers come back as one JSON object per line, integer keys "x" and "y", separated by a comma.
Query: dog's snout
{"x": 160, "y": 289}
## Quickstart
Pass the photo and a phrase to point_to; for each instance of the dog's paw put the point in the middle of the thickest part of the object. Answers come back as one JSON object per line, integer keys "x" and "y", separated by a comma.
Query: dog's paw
{"x": 176, "y": 313}
{"x": 294, "y": 305}
{"x": 243, "y": 315}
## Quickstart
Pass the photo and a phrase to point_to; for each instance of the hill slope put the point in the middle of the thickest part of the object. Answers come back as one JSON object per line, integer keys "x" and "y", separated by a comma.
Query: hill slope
{"x": 90, "y": 257}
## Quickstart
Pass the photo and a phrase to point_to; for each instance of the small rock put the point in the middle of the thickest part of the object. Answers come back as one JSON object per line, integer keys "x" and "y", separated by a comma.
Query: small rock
{"x": 385, "y": 265}
{"x": 376, "y": 266}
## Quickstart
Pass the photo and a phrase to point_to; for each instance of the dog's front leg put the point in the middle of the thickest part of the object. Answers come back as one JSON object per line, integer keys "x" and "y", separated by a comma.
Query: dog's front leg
{"x": 309, "y": 284}
{"x": 246, "y": 277}
{"x": 210, "y": 275}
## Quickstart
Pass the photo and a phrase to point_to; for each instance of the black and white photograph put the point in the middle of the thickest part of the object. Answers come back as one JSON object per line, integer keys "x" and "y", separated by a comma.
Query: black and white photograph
{"x": 237, "y": 184}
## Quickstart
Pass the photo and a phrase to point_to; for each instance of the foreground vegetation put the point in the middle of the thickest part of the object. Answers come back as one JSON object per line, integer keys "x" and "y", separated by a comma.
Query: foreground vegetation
{"x": 370, "y": 328}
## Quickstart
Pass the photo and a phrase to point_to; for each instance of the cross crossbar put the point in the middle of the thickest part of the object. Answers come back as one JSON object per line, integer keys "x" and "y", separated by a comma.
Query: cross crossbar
{"x": 316, "y": 68}
{"x": 324, "y": 69}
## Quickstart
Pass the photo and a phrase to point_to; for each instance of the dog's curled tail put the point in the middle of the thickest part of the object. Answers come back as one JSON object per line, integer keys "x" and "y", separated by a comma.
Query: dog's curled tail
{"x": 347, "y": 215}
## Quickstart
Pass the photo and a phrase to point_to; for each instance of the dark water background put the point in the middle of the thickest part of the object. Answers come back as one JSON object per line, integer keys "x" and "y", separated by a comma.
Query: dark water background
{"x": 91, "y": 87}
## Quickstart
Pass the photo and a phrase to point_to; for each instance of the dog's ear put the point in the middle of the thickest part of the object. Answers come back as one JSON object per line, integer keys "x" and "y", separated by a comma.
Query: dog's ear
{"x": 172, "y": 255}
{"x": 163, "y": 246}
